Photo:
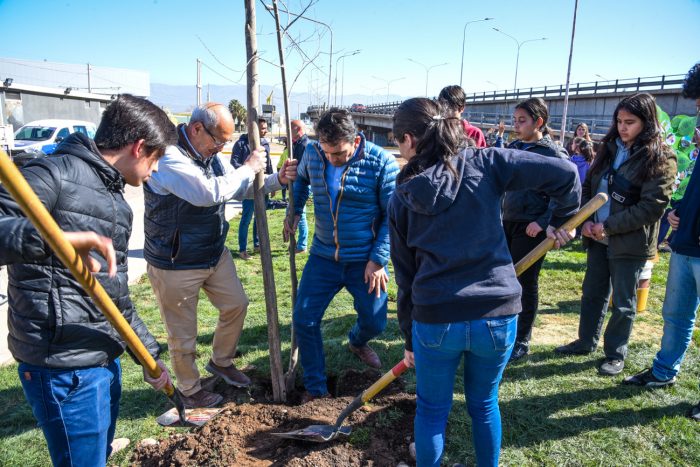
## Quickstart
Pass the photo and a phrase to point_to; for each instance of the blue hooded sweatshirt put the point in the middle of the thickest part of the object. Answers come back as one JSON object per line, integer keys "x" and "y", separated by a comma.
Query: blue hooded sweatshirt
{"x": 450, "y": 256}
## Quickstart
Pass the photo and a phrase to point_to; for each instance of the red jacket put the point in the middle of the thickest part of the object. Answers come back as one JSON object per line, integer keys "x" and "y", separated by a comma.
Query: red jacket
{"x": 474, "y": 133}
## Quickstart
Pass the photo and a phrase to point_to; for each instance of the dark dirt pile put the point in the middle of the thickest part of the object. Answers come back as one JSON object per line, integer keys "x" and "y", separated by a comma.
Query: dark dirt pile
{"x": 240, "y": 434}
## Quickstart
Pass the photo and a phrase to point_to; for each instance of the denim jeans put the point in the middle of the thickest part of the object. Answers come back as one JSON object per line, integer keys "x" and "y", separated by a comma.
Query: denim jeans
{"x": 321, "y": 280}
{"x": 438, "y": 349}
{"x": 246, "y": 217}
{"x": 76, "y": 409}
{"x": 303, "y": 229}
{"x": 679, "y": 311}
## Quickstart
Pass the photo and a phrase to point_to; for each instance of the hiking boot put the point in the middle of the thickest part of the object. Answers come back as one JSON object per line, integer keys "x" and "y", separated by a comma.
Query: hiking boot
{"x": 573, "y": 348}
{"x": 694, "y": 413}
{"x": 230, "y": 374}
{"x": 308, "y": 397}
{"x": 647, "y": 379}
{"x": 300, "y": 251}
{"x": 202, "y": 399}
{"x": 611, "y": 367}
{"x": 244, "y": 255}
{"x": 520, "y": 350}
{"x": 368, "y": 356}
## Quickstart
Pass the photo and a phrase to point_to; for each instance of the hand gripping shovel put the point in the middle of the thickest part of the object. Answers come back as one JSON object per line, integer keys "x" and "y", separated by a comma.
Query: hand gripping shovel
{"x": 323, "y": 433}
{"x": 17, "y": 186}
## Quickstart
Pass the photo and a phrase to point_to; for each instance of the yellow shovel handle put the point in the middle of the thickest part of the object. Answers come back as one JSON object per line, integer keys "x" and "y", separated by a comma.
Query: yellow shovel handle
{"x": 15, "y": 183}
{"x": 545, "y": 245}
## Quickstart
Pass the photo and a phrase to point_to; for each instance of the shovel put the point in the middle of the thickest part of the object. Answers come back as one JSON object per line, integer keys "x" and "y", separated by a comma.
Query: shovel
{"x": 324, "y": 433}
{"x": 17, "y": 186}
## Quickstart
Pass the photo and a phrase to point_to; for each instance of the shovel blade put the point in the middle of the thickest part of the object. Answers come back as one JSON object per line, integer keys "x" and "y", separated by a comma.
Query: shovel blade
{"x": 194, "y": 417}
{"x": 316, "y": 433}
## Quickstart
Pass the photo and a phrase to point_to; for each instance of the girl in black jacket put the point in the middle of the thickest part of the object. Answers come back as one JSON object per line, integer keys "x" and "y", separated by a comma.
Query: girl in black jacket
{"x": 637, "y": 170}
{"x": 526, "y": 213}
{"x": 456, "y": 302}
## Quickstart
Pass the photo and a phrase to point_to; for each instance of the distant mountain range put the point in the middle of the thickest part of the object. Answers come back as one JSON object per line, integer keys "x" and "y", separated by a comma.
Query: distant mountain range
{"x": 178, "y": 98}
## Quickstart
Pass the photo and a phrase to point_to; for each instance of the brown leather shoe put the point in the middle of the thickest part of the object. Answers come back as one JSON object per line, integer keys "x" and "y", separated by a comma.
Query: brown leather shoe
{"x": 368, "y": 356}
{"x": 244, "y": 255}
{"x": 202, "y": 399}
{"x": 230, "y": 374}
{"x": 308, "y": 397}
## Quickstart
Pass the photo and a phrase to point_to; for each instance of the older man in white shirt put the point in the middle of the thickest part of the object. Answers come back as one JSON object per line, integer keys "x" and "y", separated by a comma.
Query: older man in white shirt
{"x": 185, "y": 245}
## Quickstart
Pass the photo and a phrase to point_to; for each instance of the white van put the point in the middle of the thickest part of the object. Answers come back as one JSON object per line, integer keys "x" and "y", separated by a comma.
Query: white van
{"x": 44, "y": 135}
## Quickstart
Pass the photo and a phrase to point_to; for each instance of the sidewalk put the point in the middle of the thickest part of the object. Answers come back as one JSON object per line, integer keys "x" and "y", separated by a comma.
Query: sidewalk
{"x": 5, "y": 357}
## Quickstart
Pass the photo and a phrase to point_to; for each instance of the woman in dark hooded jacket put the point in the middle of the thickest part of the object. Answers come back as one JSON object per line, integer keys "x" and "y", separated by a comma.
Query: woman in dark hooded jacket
{"x": 454, "y": 301}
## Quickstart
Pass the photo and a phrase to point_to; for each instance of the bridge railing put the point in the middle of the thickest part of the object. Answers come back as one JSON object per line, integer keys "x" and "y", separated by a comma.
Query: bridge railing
{"x": 654, "y": 83}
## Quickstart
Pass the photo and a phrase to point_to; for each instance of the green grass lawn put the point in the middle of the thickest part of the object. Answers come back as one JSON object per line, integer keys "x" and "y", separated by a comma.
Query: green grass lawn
{"x": 556, "y": 411}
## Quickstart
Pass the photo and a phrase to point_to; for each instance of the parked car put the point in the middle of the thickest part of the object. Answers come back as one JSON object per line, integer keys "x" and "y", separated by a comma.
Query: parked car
{"x": 44, "y": 135}
{"x": 358, "y": 108}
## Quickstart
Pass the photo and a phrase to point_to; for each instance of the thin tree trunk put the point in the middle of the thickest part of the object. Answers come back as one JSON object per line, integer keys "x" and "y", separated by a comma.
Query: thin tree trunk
{"x": 290, "y": 377}
{"x": 279, "y": 393}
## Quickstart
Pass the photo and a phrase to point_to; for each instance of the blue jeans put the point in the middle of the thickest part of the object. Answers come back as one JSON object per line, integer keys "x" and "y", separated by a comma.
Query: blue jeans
{"x": 246, "y": 217}
{"x": 438, "y": 349}
{"x": 679, "y": 310}
{"x": 321, "y": 280}
{"x": 303, "y": 229}
{"x": 76, "y": 409}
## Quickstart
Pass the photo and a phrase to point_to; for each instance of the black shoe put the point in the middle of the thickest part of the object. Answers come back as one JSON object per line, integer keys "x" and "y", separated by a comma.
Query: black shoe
{"x": 520, "y": 350}
{"x": 573, "y": 348}
{"x": 694, "y": 413}
{"x": 647, "y": 379}
{"x": 611, "y": 367}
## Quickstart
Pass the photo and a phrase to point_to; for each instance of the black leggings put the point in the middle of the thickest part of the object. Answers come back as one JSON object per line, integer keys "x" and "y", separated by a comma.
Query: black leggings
{"x": 520, "y": 244}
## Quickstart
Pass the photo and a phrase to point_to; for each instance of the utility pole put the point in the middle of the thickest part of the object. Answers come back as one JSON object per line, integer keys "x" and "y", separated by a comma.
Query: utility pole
{"x": 279, "y": 390}
{"x": 89, "y": 85}
{"x": 562, "y": 133}
{"x": 199, "y": 82}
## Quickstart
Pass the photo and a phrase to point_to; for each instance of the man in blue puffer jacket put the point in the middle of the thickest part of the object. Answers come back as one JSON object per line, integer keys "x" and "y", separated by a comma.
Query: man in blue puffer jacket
{"x": 351, "y": 180}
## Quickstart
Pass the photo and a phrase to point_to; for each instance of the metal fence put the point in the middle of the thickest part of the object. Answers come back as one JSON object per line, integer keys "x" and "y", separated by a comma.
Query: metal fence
{"x": 655, "y": 83}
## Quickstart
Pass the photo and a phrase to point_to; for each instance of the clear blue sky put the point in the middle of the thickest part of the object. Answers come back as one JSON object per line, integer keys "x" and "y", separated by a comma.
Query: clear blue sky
{"x": 614, "y": 39}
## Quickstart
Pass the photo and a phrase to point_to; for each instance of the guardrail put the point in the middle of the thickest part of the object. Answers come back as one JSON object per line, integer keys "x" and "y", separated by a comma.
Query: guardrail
{"x": 655, "y": 83}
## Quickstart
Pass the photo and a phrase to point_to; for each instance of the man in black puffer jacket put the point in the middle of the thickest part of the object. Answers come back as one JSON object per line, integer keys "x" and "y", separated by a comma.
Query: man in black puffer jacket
{"x": 68, "y": 351}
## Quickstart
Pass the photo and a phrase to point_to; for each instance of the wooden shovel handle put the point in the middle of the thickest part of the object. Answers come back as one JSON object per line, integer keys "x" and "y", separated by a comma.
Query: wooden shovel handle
{"x": 15, "y": 183}
{"x": 545, "y": 245}
{"x": 384, "y": 381}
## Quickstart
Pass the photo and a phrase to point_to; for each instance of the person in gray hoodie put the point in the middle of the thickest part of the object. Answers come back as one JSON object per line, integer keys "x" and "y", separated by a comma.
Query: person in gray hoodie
{"x": 456, "y": 302}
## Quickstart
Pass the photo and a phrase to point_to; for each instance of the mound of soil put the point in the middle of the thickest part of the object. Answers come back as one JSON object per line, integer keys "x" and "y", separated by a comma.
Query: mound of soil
{"x": 241, "y": 434}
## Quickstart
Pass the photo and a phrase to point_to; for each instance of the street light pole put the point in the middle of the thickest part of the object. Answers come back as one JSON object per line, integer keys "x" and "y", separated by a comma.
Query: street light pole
{"x": 330, "y": 57}
{"x": 388, "y": 83}
{"x": 349, "y": 54}
{"x": 427, "y": 71}
{"x": 464, "y": 36}
{"x": 517, "y": 55}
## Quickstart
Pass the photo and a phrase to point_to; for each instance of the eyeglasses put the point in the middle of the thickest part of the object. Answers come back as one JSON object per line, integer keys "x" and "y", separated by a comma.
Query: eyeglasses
{"x": 213, "y": 138}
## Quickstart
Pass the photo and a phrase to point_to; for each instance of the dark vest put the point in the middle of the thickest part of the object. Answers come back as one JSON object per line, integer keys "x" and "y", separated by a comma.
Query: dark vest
{"x": 180, "y": 235}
